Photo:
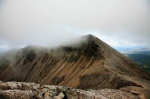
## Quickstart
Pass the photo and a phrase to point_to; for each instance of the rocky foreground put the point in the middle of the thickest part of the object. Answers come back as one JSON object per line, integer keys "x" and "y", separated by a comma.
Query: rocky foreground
{"x": 22, "y": 90}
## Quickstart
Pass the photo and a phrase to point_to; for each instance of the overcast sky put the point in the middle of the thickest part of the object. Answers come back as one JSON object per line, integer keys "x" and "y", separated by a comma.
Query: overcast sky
{"x": 120, "y": 23}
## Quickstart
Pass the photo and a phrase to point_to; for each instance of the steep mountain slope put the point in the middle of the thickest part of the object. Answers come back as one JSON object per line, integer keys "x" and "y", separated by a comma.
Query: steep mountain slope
{"x": 91, "y": 64}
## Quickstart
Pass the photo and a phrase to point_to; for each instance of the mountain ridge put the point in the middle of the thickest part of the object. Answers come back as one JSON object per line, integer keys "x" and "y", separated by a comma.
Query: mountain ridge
{"x": 92, "y": 65}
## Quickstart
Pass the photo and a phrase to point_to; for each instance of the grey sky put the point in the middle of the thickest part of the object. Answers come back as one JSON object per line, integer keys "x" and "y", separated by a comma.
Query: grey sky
{"x": 51, "y": 22}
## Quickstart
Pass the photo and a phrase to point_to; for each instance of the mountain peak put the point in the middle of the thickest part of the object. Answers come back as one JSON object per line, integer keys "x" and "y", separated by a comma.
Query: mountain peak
{"x": 90, "y": 37}
{"x": 91, "y": 65}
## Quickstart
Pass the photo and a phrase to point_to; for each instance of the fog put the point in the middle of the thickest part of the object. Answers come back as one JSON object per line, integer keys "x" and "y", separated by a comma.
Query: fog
{"x": 52, "y": 22}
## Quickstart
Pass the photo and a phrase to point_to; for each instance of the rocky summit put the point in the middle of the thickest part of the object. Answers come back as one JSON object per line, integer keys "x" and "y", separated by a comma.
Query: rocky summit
{"x": 22, "y": 90}
{"x": 89, "y": 64}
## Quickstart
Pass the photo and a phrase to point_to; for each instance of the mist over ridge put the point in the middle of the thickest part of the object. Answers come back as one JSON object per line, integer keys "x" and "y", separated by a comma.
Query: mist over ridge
{"x": 123, "y": 23}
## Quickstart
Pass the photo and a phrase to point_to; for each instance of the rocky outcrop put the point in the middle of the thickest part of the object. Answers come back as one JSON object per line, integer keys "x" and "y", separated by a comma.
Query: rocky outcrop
{"x": 22, "y": 90}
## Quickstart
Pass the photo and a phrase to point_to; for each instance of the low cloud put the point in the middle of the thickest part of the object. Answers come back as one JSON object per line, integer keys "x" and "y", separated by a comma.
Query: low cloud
{"x": 51, "y": 22}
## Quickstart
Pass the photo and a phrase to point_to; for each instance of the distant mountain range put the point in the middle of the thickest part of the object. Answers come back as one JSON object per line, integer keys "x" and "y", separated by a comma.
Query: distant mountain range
{"x": 136, "y": 50}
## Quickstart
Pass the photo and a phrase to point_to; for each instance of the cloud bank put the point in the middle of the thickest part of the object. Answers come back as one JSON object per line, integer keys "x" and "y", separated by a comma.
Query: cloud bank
{"x": 51, "y": 22}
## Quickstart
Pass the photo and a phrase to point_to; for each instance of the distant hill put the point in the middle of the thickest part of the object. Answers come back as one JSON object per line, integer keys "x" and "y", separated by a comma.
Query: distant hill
{"x": 140, "y": 52}
{"x": 143, "y": 52}
{"x": 136, "y": 51}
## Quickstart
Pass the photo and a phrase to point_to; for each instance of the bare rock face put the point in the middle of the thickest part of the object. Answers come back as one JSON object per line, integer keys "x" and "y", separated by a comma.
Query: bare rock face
{"x": 21, "y": 90}
{"x": 91, "y": 64}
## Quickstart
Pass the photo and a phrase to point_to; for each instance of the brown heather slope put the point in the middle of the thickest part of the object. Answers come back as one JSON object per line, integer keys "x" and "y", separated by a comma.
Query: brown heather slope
{"x": 92, "y": 64}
